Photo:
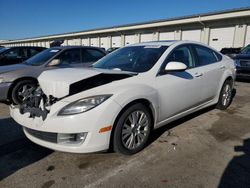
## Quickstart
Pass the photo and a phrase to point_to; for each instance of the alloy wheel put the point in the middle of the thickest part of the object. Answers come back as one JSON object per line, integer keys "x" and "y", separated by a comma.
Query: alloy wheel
{"x": 135, "y": 129}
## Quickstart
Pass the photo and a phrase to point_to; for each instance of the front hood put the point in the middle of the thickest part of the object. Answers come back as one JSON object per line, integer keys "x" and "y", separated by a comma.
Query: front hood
{"x": 9, "y": 68}
{"x": 64, "y": 82}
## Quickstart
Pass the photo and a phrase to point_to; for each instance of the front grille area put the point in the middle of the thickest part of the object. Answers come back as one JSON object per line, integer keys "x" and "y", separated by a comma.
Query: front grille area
{"x": 245, "y": 63}
{"x": 46, "y": 136}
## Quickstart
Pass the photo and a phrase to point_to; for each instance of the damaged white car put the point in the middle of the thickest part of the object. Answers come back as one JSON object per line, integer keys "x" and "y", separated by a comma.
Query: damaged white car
{"x": 124, "y": 96}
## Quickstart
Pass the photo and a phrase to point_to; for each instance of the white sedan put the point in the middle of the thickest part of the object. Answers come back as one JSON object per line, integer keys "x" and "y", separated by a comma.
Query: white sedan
{"x": 124, "y": 96}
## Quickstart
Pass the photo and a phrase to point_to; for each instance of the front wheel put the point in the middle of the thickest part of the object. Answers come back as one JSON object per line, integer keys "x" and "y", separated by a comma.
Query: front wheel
{"x": 226, "y": 95}
{"x": 132, "y": 130}
{"x": 22, "y": 90}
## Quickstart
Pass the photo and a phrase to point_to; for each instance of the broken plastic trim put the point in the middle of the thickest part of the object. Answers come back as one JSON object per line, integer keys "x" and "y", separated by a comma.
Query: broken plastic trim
{"x": 95, "y": 81}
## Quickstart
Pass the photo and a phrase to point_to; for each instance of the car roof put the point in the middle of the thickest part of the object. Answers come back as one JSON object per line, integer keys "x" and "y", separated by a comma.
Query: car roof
{"x": 71, "y": 47}
{"x": 26, "y": 47}
{"x": 160, "y": 43}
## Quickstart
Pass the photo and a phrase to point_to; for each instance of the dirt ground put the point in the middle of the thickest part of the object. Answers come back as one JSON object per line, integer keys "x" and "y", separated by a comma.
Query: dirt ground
{"x": 210, "y": 148}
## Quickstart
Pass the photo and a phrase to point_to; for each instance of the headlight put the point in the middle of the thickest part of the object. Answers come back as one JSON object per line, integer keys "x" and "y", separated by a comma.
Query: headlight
{"x": 83, "y": 105}
{"x": 1, "y": 80}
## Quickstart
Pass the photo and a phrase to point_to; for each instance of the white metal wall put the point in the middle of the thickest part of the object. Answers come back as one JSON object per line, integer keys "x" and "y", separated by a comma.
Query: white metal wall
{"x": 74, "y": 42}
{"x": 85, "y": 42}
{"x": 104, "y": 42}
{"x": 94, "y": 42}
{"x": 147, "y": 37}
{"x": 247, "y": 40}
{"x": 194, "y": 35}
{"x": 129, "y": 39}
{"x": 166, "y": 36}
{"x": 221, "y": 37}
{"x": 116, "y": 41}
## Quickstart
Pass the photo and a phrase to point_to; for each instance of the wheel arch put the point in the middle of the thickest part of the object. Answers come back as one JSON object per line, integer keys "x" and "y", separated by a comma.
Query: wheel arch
{"x": 143, "y": 101}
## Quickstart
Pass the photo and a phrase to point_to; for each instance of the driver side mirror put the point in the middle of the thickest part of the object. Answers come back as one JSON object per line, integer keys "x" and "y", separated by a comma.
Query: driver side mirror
{"x": 54, "y": 62}
{"x": 175, "y": 66}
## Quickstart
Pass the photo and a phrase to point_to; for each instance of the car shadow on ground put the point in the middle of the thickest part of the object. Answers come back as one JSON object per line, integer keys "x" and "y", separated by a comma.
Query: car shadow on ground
{"x": 237, "y": 172}
{"x": 16, "y": 151}
{"x": 246, "y": 80}
{"x": 160, "y": 131}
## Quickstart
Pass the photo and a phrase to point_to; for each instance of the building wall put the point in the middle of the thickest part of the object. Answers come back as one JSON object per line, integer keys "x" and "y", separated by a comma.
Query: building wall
{"x": 220, "y": 30}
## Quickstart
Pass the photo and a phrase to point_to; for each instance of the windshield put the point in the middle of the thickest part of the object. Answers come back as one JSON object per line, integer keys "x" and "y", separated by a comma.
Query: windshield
{"x": 42, "y": 57}
{"x": 133, "y": 59}
{"x": 246, "y": 50}
{"x": 3, "y": 49}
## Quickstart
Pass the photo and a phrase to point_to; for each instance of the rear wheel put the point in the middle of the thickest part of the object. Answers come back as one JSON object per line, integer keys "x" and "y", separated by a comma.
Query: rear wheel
{"x": 226, "y": 94}
{"x": 21, "y": 90}
{"x": 132, "y": 130}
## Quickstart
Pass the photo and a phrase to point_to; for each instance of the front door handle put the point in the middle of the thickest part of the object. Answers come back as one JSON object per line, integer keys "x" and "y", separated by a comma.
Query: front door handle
{"x": 197, "y": 74}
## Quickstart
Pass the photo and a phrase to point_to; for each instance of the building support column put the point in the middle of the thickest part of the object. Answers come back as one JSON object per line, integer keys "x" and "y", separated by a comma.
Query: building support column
{"x": 239, "y": 36}
{"x": 177, "y": 34}
{"x": 156, "y": 36}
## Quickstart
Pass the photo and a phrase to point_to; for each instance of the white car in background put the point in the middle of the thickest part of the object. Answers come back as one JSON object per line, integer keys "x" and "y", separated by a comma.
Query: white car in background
{"x": 124, "y": 96}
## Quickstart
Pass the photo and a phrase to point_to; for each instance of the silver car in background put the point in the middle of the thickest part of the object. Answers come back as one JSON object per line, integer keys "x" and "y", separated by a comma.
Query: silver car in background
{"x": 17, "y": 81}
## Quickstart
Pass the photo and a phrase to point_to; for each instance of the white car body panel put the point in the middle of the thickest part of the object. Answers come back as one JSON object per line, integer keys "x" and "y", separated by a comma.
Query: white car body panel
{"x": 171, "y": 96}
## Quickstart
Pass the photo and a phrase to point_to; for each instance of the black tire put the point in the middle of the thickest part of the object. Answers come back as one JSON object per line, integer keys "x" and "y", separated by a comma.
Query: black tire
{"x": 15, "y": 97}
{"x": 222, "y": 104}
{"x": 140, "y": 131}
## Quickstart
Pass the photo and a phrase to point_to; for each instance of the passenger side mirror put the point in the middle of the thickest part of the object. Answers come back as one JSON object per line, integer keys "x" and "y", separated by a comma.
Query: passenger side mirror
{"x": 175, "y": 66}
{"x": 54, "y": 62}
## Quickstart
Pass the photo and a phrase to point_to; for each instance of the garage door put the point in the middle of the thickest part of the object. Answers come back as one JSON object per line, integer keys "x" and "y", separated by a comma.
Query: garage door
{"x": 247, "y": 41}
{"x": 94, "y": 42}
{"x": 221, "y": 37}
{"x": 116, "y": 41}
{"x": 166, "y": 36}
{"x": 74, "y": 42}
{"x": 147, "y": 37}
{"x": 47, "y": 44}
{"x": 85, "y": 42}
{"x": 194, "y": 35}
{"x": 104, "y": 42}
{"x": 129, "y": 39}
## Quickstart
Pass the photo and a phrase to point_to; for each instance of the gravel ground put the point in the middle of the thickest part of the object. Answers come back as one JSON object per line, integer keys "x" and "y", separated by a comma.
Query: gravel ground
{"x": 210, "y": 148}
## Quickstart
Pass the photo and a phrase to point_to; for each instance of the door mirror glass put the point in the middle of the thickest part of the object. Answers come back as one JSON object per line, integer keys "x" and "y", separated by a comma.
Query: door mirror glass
{"x": 54, "y": 62}
{"x": 175, "y": 66}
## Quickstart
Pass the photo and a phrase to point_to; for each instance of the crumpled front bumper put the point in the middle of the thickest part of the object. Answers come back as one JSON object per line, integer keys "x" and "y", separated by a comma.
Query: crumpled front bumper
{"x": 89, "y": 122}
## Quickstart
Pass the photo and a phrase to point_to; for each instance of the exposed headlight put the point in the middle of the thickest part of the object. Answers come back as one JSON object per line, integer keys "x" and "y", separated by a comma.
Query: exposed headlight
{"x": 83, "y": 105}
{"x": 1, "y": 80}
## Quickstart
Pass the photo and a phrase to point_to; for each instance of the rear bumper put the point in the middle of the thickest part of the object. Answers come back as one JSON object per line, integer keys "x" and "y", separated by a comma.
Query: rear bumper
{"x": 4, "y": 90}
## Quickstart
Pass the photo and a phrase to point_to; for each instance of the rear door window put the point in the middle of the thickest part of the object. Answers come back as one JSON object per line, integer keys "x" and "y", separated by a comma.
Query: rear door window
{"x": 71, "y": 56}
{"x": 91, "y": 55}
{"x": 33, "y": 51}
{"x": 205, "y": 56}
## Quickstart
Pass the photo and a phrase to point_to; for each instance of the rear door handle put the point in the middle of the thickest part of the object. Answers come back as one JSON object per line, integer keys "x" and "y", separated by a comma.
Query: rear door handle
{"x": 198, "y": 74}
